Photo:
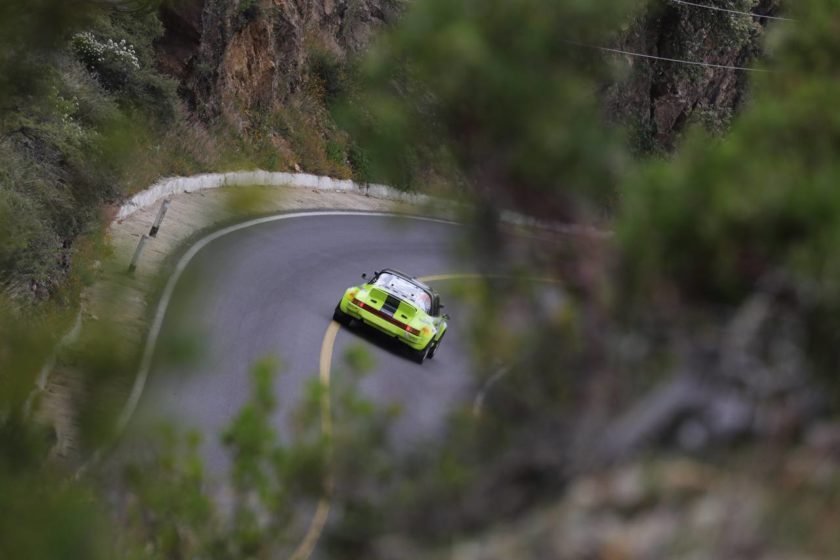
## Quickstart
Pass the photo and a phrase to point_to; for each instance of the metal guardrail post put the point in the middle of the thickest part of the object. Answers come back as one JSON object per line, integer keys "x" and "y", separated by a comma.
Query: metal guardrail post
{"x": 161, "y": 213}
{"x": 133, "y": 265}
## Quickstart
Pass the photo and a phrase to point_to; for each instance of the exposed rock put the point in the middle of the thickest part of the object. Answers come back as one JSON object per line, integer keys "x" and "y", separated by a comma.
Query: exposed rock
{"x": 687, "y": 510}
{"x": 754, "y": 382}
{"x": 649, "y": 421}
{"x": 659, "y": 98}
{"x": 180, "y": 44}
{"x": 237, "y": 59}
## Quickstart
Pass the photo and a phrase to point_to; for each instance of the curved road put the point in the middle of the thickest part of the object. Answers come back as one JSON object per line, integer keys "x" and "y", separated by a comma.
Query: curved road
{"x": 269, "y": 290}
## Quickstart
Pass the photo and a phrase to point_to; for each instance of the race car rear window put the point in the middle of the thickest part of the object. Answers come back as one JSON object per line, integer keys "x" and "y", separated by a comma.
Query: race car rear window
{"x": 406, "y": 290}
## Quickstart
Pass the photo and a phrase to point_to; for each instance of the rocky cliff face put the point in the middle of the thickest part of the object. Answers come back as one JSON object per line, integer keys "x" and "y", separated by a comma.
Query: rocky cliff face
{"x": 660, "y": 98}
{"x": 236, "y": 59}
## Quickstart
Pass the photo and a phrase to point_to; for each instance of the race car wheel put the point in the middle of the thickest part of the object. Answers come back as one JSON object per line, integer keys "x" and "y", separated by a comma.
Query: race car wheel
{"x": 341, "y": 317}
{"x": 434, "y": 347}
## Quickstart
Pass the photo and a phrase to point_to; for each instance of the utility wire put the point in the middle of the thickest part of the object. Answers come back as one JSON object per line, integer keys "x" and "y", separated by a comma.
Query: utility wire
{"x": 691, "y": 62}
{"x": 677, "y": 60}
{"x": 708, "y": 7}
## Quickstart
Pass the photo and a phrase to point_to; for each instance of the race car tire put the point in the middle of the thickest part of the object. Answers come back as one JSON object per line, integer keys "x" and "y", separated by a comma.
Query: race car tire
{"x": 434, "y": 347}
{"x": 341, "y": 317}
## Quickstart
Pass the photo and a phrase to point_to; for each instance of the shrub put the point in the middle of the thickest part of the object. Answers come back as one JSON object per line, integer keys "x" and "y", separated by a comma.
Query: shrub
{"x": 330, "y": 71}
{"x": 248, "y": 11}
{"x": 95, "y": 53}
{"x": 120, "y": 55}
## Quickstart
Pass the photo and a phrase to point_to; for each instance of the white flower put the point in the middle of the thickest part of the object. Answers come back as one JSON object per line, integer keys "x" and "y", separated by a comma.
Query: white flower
{"x": 91, "y": 49}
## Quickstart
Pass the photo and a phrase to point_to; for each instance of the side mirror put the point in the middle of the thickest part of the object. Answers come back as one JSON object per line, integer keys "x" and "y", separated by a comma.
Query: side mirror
{"x": 441, "y": 306}
{"x": 364, "y": 276}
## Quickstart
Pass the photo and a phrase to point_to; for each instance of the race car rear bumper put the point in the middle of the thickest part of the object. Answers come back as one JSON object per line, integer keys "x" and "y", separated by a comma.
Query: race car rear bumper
{"x": 373, "y": 320}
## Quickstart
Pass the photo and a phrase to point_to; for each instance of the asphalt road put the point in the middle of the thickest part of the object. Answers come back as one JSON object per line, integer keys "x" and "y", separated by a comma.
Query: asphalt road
{"x": 270, "y": 290}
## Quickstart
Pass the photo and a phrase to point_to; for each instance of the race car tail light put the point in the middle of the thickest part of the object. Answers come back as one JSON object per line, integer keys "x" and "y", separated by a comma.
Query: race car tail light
{"x": 390, "y": 318}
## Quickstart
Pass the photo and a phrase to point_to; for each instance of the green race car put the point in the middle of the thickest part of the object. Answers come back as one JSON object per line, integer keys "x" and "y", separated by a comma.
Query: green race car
{"x": 399, "y": 306}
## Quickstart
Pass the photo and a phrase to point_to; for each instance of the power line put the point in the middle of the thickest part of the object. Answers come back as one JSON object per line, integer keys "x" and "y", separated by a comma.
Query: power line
{"x": 708, "y": 7}
{"x": 677, "y": 60}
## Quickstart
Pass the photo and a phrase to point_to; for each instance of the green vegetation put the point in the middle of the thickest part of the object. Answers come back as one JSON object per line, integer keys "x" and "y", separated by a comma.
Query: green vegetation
{"x": 728, "y": 230}
{"x": 726, "y": 219}
{"x": 459, "y": 92}
{"x": 499, "y": 102}
{"x": 67, "y": 129}
{"x": 170, "y": 511}
{"x": 98, "y": 121}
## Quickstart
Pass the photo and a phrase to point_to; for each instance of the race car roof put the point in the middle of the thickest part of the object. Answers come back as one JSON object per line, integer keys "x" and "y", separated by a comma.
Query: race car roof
{"x": 409, "y": 278}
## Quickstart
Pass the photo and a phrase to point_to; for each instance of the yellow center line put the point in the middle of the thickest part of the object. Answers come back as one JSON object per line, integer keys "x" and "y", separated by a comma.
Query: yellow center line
{"x": 322, "y": 511}
{"x": 324, "y": 371}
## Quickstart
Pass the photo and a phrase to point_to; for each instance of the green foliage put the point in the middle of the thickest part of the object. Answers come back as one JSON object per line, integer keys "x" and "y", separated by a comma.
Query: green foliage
{"x": 657, "y": 100}
{"x": 30, "y": 34}
{"x": 56, "y": 169}
{"x": 330, "y": 72}
{"x": 27, "y": 246}
{"x": 277, "y": 475}
{"x": 46, "y": 515}
{"x": 723, "y": 217}
{"x": 698, "y": 235}
{"x": 47, "y": 520}
{"x": 120, "y": 55}
{"x": 45, "y": 191}
{"x": 460, "y": 89}
{"x": 335, "y": 152}
{"x": 64, "y": 149}
{"x": 313, "y": 137}
{"x": 172, "y": 513}
{"x": 358, "y": 360}
{"x": 360, "y": 163}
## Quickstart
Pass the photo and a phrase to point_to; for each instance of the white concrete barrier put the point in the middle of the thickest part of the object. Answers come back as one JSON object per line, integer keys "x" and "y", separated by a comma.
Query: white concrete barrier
{"x": 176, "y": 185}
